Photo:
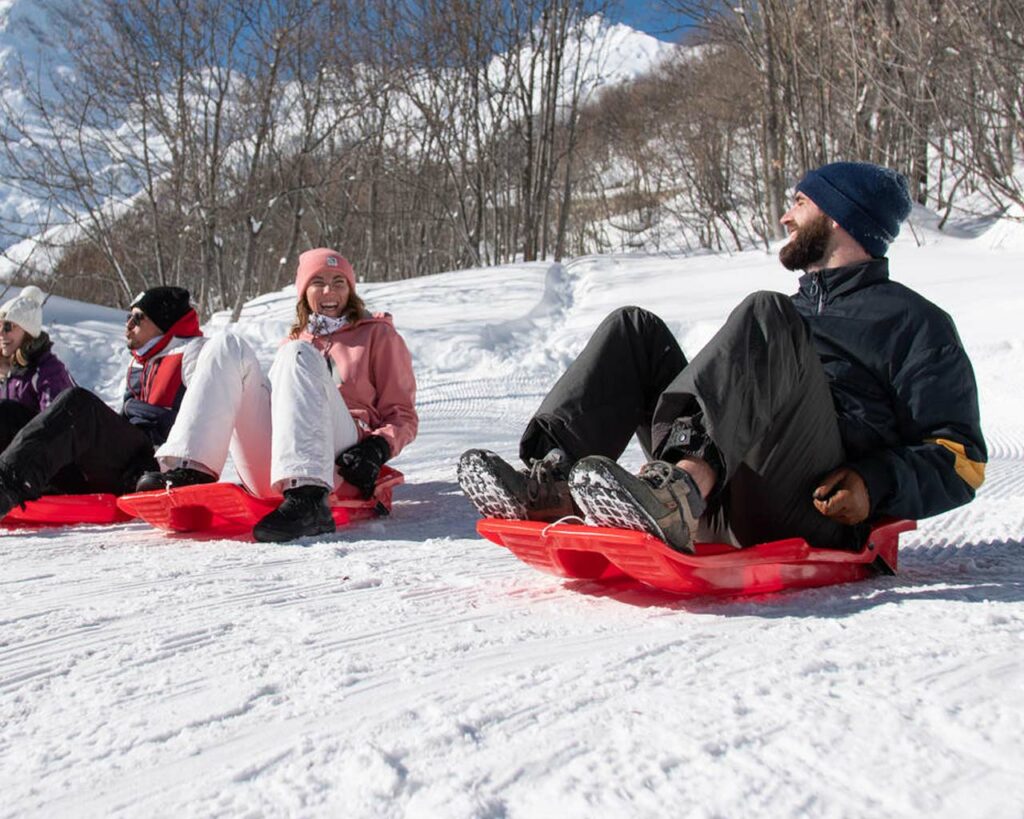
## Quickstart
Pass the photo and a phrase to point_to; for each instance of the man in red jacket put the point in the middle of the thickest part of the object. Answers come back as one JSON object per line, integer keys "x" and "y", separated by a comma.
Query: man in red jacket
{"x": 79, "y": 444}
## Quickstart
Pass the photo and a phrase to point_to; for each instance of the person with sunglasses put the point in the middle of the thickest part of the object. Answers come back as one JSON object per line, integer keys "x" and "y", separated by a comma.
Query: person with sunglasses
{"x": 339, "y": 402}
{"x": 31, "y": 376}
{"x": 78, "y": 444}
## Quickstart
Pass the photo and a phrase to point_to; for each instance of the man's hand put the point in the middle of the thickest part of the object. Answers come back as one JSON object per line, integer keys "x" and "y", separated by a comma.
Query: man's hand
{"x": 843, "y": 497}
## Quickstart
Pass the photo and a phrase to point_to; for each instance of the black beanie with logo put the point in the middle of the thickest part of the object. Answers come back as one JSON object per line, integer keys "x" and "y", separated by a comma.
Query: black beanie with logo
{"x": 164, "y": 305}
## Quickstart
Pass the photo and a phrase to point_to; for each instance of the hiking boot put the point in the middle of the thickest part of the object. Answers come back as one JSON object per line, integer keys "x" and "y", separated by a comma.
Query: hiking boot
{"x": 303, "y": 512}
{"x": 172, "y": 479}
{"x": 663, "y": 500}
{"x": 499, "y": 490}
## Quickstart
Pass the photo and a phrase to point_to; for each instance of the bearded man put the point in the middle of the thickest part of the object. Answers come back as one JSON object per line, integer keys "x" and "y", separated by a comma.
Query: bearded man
{"x": 806, "y": 416}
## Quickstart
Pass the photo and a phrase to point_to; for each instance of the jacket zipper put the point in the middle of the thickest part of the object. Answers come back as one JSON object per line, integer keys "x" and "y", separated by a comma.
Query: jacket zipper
{"x": 819, "y": 285}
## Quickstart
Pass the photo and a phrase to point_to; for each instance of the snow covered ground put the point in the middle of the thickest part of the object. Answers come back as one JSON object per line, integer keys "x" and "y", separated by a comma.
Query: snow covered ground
{"x": 407, "y": 668}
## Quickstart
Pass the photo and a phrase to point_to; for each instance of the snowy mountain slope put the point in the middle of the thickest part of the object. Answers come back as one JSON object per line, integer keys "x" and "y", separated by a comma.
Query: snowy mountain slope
{"x": 407, "y": 668}
{"x": 610, "y": 53}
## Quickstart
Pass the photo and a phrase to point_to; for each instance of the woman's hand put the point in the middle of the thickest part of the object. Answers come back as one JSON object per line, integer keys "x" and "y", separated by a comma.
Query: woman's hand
{"x": 360, "y": 465}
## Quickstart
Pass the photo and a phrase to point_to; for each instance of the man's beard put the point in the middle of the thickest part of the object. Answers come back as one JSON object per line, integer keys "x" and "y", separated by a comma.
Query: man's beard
{"x": 807, "y": 245}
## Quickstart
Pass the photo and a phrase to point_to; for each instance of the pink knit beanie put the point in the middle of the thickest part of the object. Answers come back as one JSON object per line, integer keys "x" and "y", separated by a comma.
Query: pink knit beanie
{"x": 322, "y": 260}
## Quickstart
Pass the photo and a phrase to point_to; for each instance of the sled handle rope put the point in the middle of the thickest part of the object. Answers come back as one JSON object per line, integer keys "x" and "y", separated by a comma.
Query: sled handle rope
{"x": 566, "y": 519}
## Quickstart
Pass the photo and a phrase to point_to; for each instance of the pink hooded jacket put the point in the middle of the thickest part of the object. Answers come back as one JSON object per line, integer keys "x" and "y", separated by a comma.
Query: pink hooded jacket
{"x": 377, "y": 382}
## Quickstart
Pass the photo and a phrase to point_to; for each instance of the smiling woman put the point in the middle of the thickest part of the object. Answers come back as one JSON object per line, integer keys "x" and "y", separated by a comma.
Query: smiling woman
{"x": 339, "y": 402}
{"x": 328, "y": 295}
{"x": 31, "y": 376}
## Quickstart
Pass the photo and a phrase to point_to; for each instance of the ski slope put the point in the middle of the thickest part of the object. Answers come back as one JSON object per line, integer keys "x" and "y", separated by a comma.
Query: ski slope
{"x": 406, "y": 668}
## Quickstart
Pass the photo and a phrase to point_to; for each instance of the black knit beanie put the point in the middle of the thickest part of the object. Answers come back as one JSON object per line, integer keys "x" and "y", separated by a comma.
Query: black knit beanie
{"x": 164, "y": 305}
{"x": 868, "y": 201}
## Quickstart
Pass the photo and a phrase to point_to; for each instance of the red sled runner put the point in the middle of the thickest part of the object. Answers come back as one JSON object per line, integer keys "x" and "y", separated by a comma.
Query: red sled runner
{"x": 66, "y": 510}
{"x": 593, "y": 553}
{"x": 229, "y": 509}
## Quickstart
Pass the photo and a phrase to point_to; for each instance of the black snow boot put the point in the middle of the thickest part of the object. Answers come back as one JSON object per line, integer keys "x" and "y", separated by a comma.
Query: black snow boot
{"x": 172, "y": 479}
{"x": 303, "y": 512}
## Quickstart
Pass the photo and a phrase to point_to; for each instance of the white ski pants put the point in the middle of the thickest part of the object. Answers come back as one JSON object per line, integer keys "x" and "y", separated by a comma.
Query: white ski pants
{"x": 281, "y": 432}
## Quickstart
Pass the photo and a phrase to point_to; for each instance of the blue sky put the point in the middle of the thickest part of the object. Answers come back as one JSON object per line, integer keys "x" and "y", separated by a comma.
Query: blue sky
{"x": 647, "y": 15}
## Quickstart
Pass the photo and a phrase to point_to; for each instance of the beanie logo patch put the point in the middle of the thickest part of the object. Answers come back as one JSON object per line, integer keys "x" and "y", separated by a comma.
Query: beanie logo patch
{"x": 332, "y": 261}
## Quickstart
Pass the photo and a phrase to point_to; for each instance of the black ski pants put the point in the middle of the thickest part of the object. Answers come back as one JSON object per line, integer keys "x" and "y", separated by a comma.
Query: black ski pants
{"x": 77, "y": 445}
{"x": 13, "y": 416}
{"x": 762, "y": 396}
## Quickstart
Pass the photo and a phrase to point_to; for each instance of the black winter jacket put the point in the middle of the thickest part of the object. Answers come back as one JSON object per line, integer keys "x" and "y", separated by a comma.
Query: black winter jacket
{"x": 903, "y": 387}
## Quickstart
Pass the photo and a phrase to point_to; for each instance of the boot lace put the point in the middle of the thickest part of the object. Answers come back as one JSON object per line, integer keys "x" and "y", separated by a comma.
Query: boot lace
{"x": 540, "y": 483}
{"x": 301, "y": 501}
{"x": 657, "y": 473}
{"x": 292, "y": 506}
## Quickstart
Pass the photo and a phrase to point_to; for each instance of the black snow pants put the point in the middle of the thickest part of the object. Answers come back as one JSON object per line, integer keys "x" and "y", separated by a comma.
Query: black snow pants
{"x": 77, "y": 445}
{"x": 758, "y": 389}
{"x": 13, "y": 416}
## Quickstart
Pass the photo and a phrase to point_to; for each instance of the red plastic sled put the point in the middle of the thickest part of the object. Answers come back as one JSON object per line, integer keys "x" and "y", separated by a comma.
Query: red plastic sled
{"x": 593, "y": 553}
{"x": 66, "y": 510}
{"x": 229, "y": 509}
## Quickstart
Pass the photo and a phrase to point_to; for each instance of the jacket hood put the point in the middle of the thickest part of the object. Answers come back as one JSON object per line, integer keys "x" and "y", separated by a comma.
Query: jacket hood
{"x": 34, "y": 352}
{"x": 387, "y": 318}
{"x": 185, "y": 327}
{"x": 368, "y": 317}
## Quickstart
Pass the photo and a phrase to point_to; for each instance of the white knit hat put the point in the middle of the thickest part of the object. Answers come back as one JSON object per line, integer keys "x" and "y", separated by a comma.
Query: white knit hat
{"x": 26, "y": 310}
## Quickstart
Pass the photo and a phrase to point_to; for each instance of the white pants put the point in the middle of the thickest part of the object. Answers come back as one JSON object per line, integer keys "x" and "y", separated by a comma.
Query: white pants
{"x": 282, "y": 432}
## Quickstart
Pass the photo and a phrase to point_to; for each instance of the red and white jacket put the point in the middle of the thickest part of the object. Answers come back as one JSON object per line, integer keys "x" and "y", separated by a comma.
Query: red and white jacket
{"x": 153, "y": 384}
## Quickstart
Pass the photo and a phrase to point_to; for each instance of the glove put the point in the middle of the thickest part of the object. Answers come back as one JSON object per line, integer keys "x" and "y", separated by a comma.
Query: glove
{"x": 360, "y": 464}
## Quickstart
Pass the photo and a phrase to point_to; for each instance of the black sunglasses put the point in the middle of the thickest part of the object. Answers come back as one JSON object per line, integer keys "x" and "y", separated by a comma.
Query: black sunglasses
{"x": 135, "y": 319}
{"x": 7, "y": 326}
